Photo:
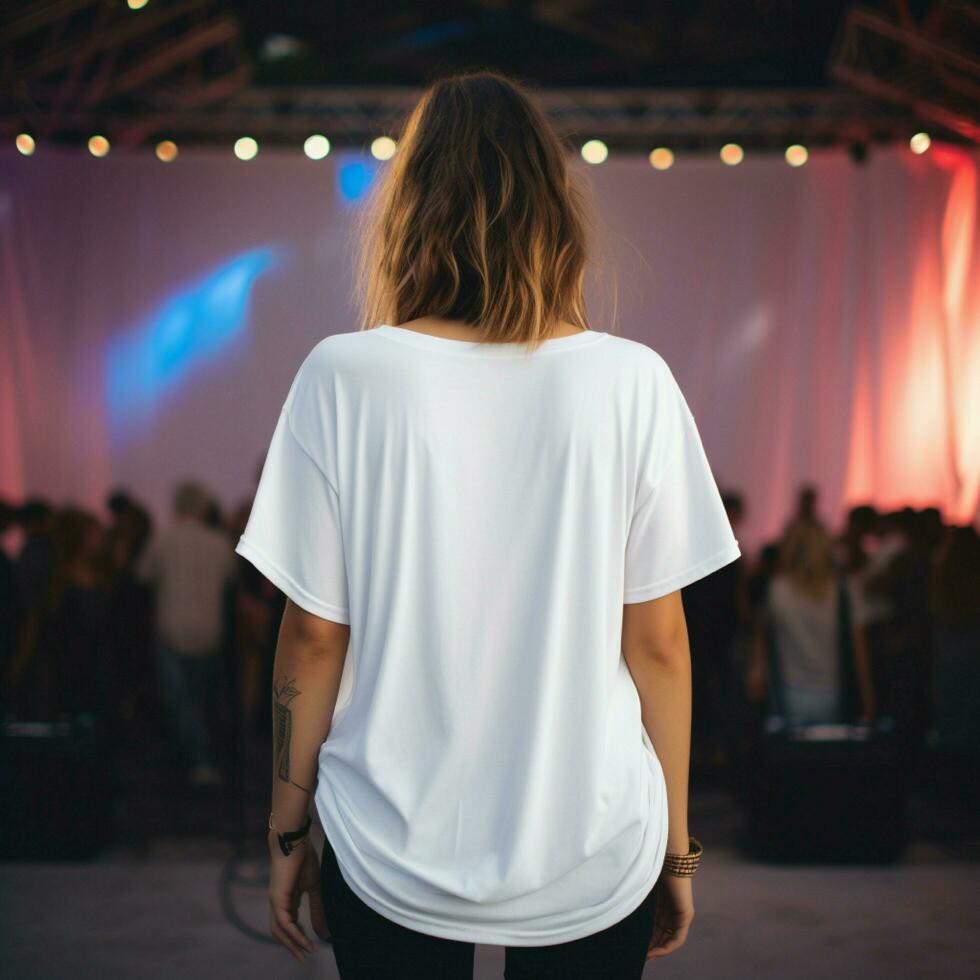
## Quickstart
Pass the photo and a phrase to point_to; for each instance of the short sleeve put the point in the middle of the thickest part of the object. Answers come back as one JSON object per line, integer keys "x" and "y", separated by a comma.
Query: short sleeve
{"x": 294, "y": 533}
{"x": 679, "y": 531}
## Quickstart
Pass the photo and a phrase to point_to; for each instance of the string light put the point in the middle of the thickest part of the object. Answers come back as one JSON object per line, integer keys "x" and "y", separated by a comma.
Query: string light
{"x": 796, "y": 155}
{"x": 383, "y": 148}
{"x": 25, "y": 143}
{"x": 167, "y": 151}
{"x": 316, "y": 147}
{"x": 661, "y": 158}
{"x": 920, "y": 143}
{"x": 246, "y": 148}
{"x": 594, "y": 151}
{"x": 732, "y": 154}
{"x": 98, "y": 146}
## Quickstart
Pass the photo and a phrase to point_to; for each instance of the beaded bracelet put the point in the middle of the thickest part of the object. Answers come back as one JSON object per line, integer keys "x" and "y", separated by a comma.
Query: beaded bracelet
{"x": 684, "y": 865}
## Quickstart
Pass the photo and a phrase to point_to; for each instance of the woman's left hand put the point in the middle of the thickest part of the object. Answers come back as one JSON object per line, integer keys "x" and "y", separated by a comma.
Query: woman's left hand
{"x": 289, "y": 877}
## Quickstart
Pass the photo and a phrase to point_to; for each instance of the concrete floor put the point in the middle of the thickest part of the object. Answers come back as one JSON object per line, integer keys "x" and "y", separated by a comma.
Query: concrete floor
{"x": 168, "y": 901}
{"x": 161, "y": 917}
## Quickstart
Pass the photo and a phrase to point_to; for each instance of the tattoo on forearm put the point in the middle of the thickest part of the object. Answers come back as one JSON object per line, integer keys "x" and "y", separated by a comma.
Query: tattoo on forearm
{"x": 284, "y": 692}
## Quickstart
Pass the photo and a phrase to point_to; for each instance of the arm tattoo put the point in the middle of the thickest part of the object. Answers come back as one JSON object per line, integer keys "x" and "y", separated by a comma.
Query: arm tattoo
{"x": 284, "y": 693}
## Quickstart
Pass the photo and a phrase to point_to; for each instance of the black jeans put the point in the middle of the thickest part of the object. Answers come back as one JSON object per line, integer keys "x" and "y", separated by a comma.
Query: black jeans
{"x": 368, "y": 946}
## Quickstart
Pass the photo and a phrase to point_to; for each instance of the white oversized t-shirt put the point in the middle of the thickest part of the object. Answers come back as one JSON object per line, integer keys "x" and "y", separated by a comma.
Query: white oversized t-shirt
{"x": 479, "y": 515}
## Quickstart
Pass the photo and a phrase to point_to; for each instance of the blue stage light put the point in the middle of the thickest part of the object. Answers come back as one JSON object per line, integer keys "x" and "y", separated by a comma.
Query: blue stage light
{"x": 354, "y": 179}
{"x": 146, "y": 362}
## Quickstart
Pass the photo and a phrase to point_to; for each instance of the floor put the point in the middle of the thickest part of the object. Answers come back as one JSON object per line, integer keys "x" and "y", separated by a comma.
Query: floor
{"x": 172, "y": 900}
{"x": 167, "y": 916}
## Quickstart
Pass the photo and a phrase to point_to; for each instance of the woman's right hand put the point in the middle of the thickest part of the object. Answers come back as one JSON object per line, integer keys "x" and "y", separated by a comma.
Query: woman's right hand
{"x": 673, "y": 916}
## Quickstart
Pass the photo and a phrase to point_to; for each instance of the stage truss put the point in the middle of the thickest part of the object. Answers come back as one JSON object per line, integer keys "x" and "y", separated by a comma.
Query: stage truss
{"x": 182, "y": 71}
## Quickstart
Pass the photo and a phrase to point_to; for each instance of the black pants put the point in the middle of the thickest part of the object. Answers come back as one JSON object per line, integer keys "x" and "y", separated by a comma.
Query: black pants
{"x": 368, "y": 946}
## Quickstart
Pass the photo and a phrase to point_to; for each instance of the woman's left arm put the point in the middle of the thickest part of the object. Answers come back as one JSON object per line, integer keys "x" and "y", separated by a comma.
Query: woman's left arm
{"x": 309, "y": 662}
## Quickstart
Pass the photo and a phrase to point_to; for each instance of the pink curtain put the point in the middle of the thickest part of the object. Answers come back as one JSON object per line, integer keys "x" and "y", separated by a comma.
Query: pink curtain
{"x": 824, "y": 321}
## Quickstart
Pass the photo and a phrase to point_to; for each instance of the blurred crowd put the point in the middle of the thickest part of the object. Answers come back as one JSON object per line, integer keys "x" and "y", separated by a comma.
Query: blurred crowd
{"x": 878, "y": 621}
{"x": 151, "y": 631}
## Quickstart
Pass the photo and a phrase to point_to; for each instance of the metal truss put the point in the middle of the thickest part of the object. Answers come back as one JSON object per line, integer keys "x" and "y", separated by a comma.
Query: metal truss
{"x": 180, "y": 70}
{"x": 932, "y": 67}
{"x": 73, "y": 67}
{"x": 626, "y": 119}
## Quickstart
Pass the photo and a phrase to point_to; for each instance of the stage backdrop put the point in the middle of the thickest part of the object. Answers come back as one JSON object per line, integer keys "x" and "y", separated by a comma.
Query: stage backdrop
{"x": 824, "y": 322}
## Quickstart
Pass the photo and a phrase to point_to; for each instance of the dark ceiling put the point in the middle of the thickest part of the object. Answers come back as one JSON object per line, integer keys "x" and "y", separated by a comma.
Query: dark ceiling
{"x": 675, "y": 43}
{"x": 691, "y": 72}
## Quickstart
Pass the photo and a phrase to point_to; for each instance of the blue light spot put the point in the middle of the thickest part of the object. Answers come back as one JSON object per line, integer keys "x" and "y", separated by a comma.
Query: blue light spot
{"x": 354, "y": 179}
{"x": 154, "y": 357}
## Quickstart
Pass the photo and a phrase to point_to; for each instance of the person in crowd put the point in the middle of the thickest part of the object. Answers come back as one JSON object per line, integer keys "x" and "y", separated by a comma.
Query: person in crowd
{"x": 851, "y": 546}
{"x": 64, "y": 659}
{"x": 76, "y": 628}
{"x": 807, "y": 507}
{"x": 760, "y": 576}
{"x": 797, "y": 658}
{"x": 7, "y": 621}
{"x": 901, "y": 639}
{"x": 954, "y": 601}
{"x": 134, "y": 688}
{"x": 711, "y": 605}
{"x": 258, "y": 612}
{"x": 191, "y": 565}
{"x": 31, "y": 580}
{"x": 857, "y": 553}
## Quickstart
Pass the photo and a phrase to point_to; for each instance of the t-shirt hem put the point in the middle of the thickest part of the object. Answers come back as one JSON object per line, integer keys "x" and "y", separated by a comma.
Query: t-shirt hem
{"x": 712, "y": 563}
{"x": 474, "y": 933}
{"x": 285, "y": 583}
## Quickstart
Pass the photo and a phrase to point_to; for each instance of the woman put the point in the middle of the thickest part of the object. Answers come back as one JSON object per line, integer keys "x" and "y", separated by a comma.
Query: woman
{"x": 800, "y": 631}
{"x": 482, "y": 512}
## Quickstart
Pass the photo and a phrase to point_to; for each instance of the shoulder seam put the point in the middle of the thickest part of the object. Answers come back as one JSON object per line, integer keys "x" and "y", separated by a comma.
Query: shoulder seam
{"x": 307, "y": 453}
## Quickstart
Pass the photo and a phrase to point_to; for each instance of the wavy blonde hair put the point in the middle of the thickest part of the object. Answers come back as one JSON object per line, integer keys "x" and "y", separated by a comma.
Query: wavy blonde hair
{"x": 477, "y": 218}
{"x": 806, "y": 558}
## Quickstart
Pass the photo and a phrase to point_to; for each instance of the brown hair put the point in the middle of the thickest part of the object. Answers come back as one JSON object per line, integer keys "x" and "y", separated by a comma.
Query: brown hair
{"x": 477, "y": 218}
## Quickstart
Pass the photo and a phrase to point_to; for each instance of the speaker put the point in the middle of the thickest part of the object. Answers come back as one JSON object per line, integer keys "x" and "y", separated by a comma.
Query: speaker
{"x": 56, "y": 787}
{"x": 828, "y": 794}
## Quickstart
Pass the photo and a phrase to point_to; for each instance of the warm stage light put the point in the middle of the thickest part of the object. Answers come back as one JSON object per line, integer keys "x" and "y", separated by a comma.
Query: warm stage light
{"x": 137, "y": 4}
{"x": 316, "y": 147}
{"x": 246, "y": 148}
{"x": 383, "y": 148}
{"x": 661, "y": 158}
{"x": 594, "y": 151}
{"x": 25, "y": 143}
{"x": 98, "y": 146}
{"x": 920, "y": 143}
{"x": 796, "y": 155}
{"x": 167, "y": 151}
{"x": 732, "y": 154}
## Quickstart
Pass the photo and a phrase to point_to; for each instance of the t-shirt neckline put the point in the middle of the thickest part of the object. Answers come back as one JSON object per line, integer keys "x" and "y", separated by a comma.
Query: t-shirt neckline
{"x": 474, "y": 348}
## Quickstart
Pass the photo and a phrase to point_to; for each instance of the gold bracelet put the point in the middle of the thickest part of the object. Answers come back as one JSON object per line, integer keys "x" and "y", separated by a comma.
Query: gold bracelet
{"x": 684, "y": 865}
